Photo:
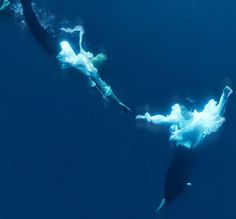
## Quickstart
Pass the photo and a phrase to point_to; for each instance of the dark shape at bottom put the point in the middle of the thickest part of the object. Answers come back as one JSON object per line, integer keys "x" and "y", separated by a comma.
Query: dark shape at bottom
{"x": 178, "y": 175}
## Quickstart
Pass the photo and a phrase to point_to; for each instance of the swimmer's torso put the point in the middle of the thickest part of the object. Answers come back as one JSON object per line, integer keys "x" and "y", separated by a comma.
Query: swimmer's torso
{"x": 82, "y": 63}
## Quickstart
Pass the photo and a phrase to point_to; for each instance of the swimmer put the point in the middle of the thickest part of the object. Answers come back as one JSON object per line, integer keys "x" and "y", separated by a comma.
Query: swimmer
{"x": 84, "y": 62}
{"x": 189, "y": 128}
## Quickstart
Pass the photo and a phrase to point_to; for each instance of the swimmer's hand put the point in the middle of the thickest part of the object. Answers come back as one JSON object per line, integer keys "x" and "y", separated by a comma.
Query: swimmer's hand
{"x": 145, "y": 117}
{"x": 140, "y": 117}
{"x": 227, "y": 91}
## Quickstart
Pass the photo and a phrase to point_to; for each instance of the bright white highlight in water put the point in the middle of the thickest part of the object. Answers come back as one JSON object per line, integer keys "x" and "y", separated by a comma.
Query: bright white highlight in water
{"x": 189, "y": 128}
{"x": 4, "y": 5}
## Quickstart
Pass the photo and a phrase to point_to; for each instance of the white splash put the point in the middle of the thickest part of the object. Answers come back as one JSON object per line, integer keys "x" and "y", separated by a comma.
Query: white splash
{"x": 189, "y": 128}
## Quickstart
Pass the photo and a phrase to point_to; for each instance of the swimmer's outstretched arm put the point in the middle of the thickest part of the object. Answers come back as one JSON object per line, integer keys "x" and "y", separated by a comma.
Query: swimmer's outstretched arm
{"x": 80, "y": 29}
{"x": 223, "y": 100}
{"x": 49, "y": 43}
{"x": 157, "y": 119}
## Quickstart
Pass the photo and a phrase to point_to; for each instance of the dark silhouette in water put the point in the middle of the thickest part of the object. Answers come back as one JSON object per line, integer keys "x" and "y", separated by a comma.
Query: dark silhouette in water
{"x": 178, "y": 175}
{"x": 48, "y": 42}
{"x": 52, "y": 46}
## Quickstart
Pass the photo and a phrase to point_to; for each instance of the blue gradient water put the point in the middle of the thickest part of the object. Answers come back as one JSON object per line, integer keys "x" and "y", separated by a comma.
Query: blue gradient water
{"x": 66, "y": 154}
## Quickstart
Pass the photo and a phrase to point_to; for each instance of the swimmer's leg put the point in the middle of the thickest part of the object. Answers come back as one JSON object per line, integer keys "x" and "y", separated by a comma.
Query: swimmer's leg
{"x": 106, "y": 91}
{"x": 117, "y": 100}
{"x": 5, "y": 4}
{"x": 223, "y": 100}
{"x": 93, "y": 84}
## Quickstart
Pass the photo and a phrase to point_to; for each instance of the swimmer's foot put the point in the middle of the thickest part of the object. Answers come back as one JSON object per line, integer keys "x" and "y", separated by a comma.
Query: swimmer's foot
{"x": 117, "y": 100}
{"x": 125, "y": 108}
{"x": 91, "y": 82}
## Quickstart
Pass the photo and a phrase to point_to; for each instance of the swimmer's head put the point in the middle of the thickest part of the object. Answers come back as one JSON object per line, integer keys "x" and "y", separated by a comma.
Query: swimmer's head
{"x": 65, "y": 45}
{"x": 98, "y": 60}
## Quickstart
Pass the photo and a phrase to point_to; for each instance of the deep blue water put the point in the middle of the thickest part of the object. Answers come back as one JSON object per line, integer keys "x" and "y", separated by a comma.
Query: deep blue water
{"x": 67, "y": 154}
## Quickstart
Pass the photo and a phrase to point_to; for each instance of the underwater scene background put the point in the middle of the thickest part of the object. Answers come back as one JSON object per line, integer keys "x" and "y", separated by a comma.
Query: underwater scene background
{"x": 67, "y": 153}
